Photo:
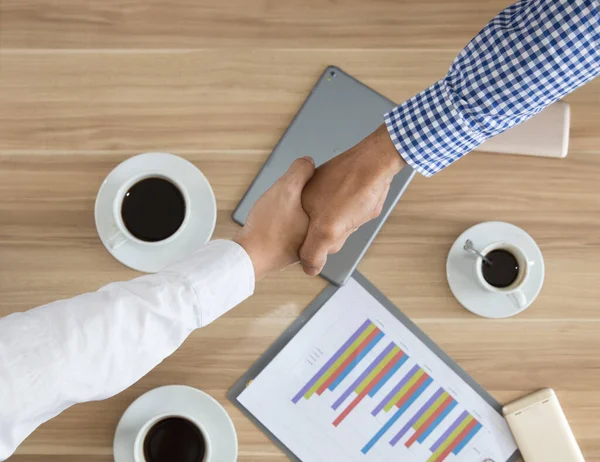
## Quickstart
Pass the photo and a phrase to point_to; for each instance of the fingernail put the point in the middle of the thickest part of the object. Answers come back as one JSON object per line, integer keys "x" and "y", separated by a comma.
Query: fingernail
{"x": 311, "y": 271}
{"x": 308, "y": 158}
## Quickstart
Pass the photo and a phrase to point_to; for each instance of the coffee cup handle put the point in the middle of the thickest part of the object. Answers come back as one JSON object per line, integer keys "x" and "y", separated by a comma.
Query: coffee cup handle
{"x": 518, "y": 298}
{"x": 117, "y": 240}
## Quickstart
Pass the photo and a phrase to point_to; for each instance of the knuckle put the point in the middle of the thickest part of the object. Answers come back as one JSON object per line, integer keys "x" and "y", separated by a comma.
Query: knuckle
{"x": 328, "y": 231}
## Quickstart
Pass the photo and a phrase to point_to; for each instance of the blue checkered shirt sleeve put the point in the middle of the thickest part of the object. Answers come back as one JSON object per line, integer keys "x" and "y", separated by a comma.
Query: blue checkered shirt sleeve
{"x": 530, "y": 55}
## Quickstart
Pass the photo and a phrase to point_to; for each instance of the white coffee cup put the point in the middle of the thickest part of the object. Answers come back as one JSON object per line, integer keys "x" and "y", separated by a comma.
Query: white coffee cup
{"x": 121, "y": 234}
{"x": 138, "y": 445}
{"x": 514, "y": 291}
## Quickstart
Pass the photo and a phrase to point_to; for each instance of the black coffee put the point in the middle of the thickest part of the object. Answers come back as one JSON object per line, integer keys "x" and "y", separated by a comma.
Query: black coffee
{"x": 174, "y": 439}
{"x": 503, "y": 270}
{"x": 153, "y": 209}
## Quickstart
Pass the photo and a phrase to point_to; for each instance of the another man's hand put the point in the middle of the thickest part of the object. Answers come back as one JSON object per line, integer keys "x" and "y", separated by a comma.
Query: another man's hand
{"x": 276, "y": 226}
{"x": 345, "y": 193}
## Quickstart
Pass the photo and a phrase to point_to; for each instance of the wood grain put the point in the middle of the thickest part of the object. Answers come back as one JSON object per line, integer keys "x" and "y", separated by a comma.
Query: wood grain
{"x": 188, "y": 24}
{"x": 208, "y": 99}
{"x": 85, "y": 85}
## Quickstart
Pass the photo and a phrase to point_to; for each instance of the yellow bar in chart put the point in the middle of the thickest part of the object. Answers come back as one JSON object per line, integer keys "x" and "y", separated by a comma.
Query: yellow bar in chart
{"x": 450, "y": 439}
{"x": 393, "y": 352}
{"x": 434, "y": 407}
{"x": 403, "y": 390}
{"x": 339, "y": 361}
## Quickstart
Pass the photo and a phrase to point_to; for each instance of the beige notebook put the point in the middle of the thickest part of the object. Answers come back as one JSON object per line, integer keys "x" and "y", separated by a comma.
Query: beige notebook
{"x": 546, "y": 134}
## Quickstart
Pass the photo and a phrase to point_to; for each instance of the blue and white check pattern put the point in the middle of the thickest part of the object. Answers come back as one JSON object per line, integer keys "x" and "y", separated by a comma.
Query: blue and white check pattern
{"x": 530, "y": 55}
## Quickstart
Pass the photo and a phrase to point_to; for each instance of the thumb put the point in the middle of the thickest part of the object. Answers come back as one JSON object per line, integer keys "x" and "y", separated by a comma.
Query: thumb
{"x": 300, "y": 172}
{"x": 313, "y": 253}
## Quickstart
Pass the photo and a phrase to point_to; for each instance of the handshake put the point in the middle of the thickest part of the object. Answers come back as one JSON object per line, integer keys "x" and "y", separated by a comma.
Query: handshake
{"x": 309, "y": 213}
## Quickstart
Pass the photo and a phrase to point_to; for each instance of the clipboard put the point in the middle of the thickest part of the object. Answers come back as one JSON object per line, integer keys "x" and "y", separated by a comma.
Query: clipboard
{"x": 306, "y": 316}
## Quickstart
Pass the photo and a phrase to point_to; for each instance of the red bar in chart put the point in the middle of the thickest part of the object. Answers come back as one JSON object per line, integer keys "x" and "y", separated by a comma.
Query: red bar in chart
{"x": 347, "y": 361}
{"x": 411, "y": 391}
{"x": 428, "y": 422}
{"x": 457, "y": 441}
{"x": 305, "y": 391}
{"x": 368, "y": 388}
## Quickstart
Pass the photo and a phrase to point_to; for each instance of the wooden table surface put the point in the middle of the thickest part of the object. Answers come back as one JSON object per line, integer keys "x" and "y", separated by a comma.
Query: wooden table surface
{"x": 85, "y": 85}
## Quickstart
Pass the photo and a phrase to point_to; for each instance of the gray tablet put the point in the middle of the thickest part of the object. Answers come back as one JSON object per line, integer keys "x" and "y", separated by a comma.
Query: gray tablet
{"x": 339, "y": 112}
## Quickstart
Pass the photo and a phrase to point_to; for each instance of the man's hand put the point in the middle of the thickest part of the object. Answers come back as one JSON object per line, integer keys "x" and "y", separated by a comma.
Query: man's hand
{"x": 276, "y": 226}
{"x": 345, "y": 193}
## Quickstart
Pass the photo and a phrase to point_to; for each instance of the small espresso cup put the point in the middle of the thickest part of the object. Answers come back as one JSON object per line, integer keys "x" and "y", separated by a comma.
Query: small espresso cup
{"x": 513, "y": 291}
{"x": 121, "y": 234}
{"x": 139, "y": 453}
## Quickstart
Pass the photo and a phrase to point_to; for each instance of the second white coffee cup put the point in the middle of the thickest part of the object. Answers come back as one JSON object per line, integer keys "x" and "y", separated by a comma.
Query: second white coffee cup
{"x": 140, "y": 439}
{"x": 513, "y": 291}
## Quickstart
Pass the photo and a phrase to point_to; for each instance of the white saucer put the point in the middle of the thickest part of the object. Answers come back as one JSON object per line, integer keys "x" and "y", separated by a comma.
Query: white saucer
{"x": 182, "y": 400}
{"x": 461, "y": 277}
{"x": 196, "y": 232}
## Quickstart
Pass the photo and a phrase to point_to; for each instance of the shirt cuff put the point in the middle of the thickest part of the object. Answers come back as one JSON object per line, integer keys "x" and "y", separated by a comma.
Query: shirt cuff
{"x": 429, "y": 130}
{"x": 221, "y": 275}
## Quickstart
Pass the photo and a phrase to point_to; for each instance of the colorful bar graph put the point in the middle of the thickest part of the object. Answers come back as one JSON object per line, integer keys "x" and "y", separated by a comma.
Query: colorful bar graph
{"x": 422, "y": 378}
{"x": 404, "y": 390}
{"x": 313, "y": 381}
{"x": 397, "y": 415}
{"x": 351, "y": 359}
{"x": 395, "y": 390}
{"x": 429, "y": 412}
{"x": 398, "y": 401}
{"x": 449, "y": 431}
{"x": 361, "y": 338}
{"x": 455, "y": 438}
{"x": 421, "y": 427}
{"x": 388, "y": 376}
{"x": 466, "y": 439}
{"x": 370, "y": 381}
{"x": 354, "y": 363}
{"x": 431, "y": 402}
{"x": 436, "y": 422}
{"x": 377, "y": 370}
{"x": 362, "y": 377}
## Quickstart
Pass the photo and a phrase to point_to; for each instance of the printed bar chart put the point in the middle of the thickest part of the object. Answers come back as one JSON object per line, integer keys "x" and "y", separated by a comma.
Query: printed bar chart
{"x": 399, "y": 390}
{"x": 403, "y": 403}
{"x": 356, "y": 361}
{"x": 353, "y": 359}
{"x": 467, "y": 438}
{"x": 392, "y": 358}
{"x": 443, "y": 413}
{"x": 465, "y": 426}
{"x": 448, "y": 433}
{"x": 327, "y": 369}
{"x": 363, "y": 376}
{"x": 421, "y": 412}
{"x": 356, "y": 384}
{"x": 371, "y": 329}
{"x": 428, "y": 417}
{"x": 388, "y": 376}
{"x": 406, "y": 385}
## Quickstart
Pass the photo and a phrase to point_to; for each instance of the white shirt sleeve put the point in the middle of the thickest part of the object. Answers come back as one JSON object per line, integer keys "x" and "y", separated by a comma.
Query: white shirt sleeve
{"x": 95, "y": 345}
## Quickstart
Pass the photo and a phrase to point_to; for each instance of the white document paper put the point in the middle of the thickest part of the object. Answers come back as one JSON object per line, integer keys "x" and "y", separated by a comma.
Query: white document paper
{"x": 356, "y": 385}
